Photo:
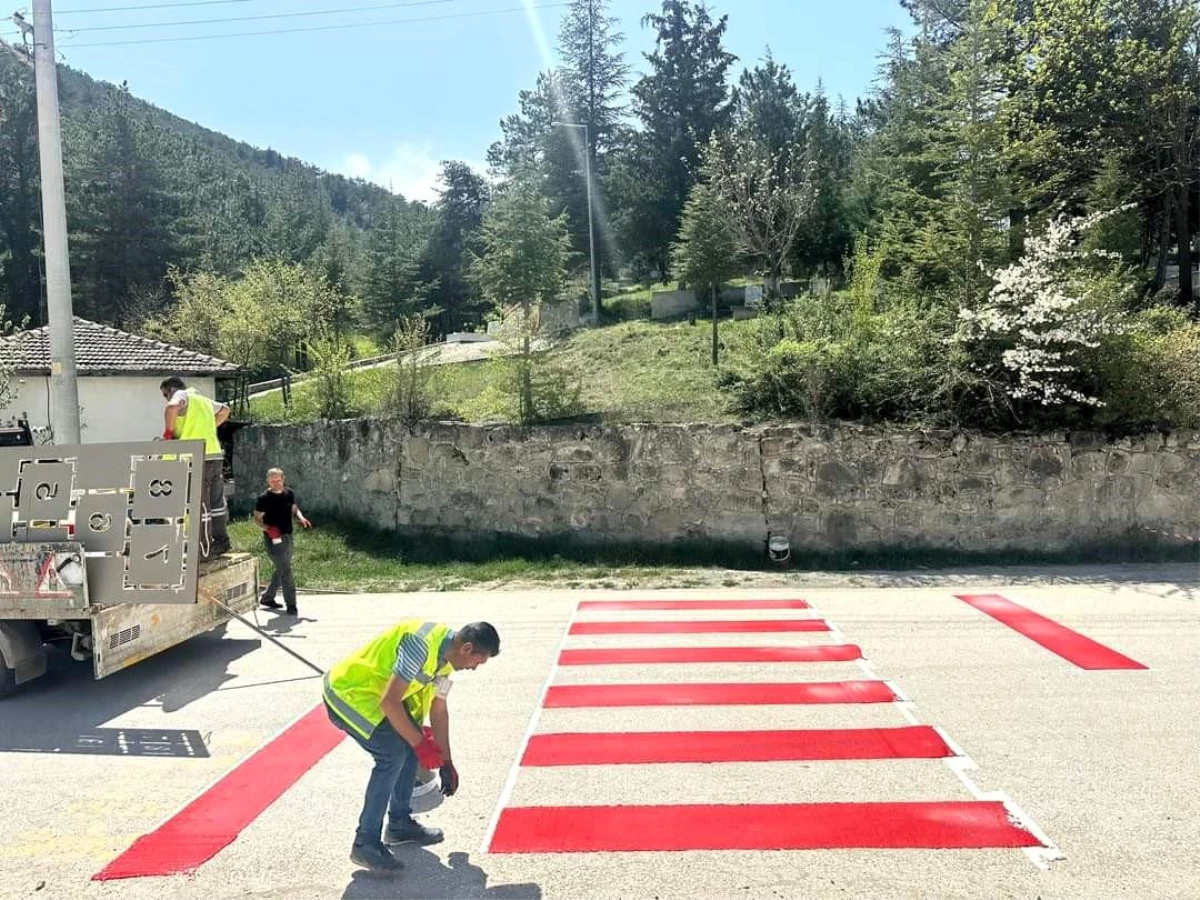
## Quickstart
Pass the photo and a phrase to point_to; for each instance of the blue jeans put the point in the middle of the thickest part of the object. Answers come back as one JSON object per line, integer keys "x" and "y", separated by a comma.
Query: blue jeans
{"x": 390, "y": 787}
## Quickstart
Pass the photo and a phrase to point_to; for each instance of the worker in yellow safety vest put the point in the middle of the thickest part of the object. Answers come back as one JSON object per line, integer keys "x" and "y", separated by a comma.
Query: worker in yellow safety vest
{"x": 190, "y": 416}
{"x": 381, "y": 695}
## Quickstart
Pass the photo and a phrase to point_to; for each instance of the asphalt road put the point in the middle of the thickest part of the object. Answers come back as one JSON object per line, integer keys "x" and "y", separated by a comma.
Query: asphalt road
{"x": 1102, "y": 764}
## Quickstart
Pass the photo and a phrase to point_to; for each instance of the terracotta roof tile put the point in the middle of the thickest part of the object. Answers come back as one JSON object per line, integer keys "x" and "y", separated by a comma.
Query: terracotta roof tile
{"x": 101, "y": 349}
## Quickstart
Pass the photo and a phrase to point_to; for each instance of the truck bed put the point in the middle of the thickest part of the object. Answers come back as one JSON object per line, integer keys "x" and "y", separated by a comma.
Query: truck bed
{"x": 129, "y": 632}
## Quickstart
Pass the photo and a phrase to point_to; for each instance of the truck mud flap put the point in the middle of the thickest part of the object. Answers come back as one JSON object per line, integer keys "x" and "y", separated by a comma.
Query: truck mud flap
{"x": 128, "y": 633}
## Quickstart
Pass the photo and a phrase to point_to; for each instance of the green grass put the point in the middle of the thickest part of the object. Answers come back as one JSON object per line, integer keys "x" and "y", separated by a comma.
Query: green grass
{"x": 341, "y": 556}
{"x": 636, "y": 371}
{"x": 338, "y": 555}
{"x": 652, "y": 372}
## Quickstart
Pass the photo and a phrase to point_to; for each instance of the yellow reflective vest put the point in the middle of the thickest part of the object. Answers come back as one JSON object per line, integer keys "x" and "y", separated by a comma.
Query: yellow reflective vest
{"x": 199, "y": 423}
{"x": 354, "y": 687}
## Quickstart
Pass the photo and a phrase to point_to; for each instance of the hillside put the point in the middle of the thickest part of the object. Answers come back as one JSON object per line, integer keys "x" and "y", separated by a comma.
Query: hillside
{"x": 148, "y": 190}
{"x": 629, "y": 372}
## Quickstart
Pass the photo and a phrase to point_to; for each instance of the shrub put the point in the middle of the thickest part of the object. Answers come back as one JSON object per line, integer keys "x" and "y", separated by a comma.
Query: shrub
{"x": 330, "y": 377}
{"x": 407, "y": 396}
{"x": 628, "y": 307}
{"x": 838, "y": 359}
{"x": 1179, "y": 355}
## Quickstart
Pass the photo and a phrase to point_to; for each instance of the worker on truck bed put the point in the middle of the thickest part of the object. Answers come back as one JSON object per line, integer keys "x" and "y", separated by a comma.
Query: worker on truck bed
{"x": 380, "y": 695}
{"x": 188, "y": 416}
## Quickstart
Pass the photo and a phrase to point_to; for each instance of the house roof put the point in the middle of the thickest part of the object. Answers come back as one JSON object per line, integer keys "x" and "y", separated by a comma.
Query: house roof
{"x": 101, "y": 350}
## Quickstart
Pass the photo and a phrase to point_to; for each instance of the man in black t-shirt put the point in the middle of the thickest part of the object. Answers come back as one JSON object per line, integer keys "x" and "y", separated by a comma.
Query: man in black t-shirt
{"x": 274, "y": 511}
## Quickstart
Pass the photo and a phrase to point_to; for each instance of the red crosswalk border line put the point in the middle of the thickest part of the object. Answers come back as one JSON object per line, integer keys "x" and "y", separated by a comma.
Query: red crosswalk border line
{"x": 692, "y": 604}
{"x": 649, "y": 748}
{"x": 725, "y": 694}
{"x": 608, "y": 656}
{"x": 1070, "y": 645}
{"x": 967, "y": 824}
{"x": 211, "y": 822}
{"x": 721, "y": 626}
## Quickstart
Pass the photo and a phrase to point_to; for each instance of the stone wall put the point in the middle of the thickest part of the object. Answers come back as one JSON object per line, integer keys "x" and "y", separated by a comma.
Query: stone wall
{"x": 828, "y": 489}
{"x": 669, "y": 304}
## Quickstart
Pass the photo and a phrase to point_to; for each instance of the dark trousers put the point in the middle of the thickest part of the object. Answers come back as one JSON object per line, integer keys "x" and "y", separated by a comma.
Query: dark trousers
{"x": 281, "y": 558}
{"x": 390, "y": 787}
{"x": 214, "y": 515}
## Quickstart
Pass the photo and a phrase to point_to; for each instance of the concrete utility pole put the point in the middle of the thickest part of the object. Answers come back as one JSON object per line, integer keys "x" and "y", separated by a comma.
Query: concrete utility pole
{"x": 64, "y": 389}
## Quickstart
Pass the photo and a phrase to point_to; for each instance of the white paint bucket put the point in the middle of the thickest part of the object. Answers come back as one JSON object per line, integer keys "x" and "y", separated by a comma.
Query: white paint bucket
{"x": 427, "y": 791}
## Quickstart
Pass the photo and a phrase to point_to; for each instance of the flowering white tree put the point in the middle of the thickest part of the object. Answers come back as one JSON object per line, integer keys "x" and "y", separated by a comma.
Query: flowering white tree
{"x": 769, "y": 196}
{"x": 1045, "y": 311}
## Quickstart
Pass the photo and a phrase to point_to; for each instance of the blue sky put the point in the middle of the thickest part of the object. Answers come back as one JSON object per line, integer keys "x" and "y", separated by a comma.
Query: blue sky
{"x": 387, "y": 99}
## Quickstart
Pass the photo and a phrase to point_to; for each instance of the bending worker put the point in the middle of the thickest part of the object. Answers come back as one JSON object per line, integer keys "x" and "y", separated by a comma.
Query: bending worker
{"x": 189, "y": 415}
{"x": 380, "y": 695}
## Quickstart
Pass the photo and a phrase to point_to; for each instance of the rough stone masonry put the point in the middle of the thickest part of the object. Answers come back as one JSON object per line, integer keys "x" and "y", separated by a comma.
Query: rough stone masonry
{"x": 827, "y": 488}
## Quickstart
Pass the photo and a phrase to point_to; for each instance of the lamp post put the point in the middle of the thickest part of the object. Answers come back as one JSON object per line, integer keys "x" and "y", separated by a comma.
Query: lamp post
{"x": 587, "y": 174}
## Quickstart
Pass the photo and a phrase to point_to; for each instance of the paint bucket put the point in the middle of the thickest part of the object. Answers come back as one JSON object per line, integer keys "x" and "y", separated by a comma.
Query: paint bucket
{"x": 427, "y": 791}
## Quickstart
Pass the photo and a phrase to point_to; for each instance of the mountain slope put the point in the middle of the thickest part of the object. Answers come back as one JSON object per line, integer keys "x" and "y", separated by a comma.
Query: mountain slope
{"x": 148, "y": 190}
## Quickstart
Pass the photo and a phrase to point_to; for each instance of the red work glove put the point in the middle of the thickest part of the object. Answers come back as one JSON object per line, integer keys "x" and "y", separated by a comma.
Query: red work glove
{"x": 168, "y": 434}
{"x": 428, "y": 754}
{"x": 273, "y": 533}
{"x": 449, "y": 776}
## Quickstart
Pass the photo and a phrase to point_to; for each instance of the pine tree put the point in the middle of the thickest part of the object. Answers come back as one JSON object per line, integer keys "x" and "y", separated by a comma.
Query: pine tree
{"x": 593, "y": 72}
{"x": 460, "y": 207}
{"x": 767, "y": 103}
{"x": 20, "y": 281}
{"x": 393, "y": 287}
{"x": 826, "y": 235}
{"x": 681, "y": 102}
{"x": 939, "y": 161}
{"x": 524, "y": 263}
{"x": 594, "y": 75}
{"x": 123, "y": 211}
{"x": 707, "y": 250}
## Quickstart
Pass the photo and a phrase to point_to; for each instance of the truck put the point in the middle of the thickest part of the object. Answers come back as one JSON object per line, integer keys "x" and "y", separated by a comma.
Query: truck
{"x": 99, "y": 555}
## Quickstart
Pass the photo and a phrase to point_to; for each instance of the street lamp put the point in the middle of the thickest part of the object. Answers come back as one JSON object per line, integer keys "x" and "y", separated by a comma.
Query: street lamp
{"x": 587, "y": 174}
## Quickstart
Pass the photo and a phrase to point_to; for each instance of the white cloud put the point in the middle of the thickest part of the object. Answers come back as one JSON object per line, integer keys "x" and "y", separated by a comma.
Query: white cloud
{"x": 411, "y": 171}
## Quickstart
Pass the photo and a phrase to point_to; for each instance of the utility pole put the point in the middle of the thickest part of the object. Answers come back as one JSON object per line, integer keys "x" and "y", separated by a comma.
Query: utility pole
{"x": 589, "y": 135}
{"x": 64, "y": 389}
{"x": 587, "y": 175}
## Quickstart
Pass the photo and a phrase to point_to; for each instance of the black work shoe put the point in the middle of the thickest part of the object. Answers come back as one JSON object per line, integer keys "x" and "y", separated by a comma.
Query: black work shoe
{"x": 269, "y": 604}
{"x": 377, "y": 859}
{"x": 411, "y": 832}
{"x": 291, "y": 611}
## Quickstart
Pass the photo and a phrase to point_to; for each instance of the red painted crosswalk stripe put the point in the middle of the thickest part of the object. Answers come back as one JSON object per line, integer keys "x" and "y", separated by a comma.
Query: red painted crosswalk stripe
{"x": 658, "y": 747}
{"x": 720, "y": 626}
{"x": 608, "y": 656}
{"x": 639, "y": 605}
{"x": 1070, "y": 645}
{"x": 976, "y": 824}
{"x": 726, "y": 694}
{"x": 210, "y": 822}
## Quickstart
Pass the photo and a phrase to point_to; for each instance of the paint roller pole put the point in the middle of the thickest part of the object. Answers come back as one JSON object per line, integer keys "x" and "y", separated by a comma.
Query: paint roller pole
{"x": 270, "y": 637}
{"x": 64, "y": 389}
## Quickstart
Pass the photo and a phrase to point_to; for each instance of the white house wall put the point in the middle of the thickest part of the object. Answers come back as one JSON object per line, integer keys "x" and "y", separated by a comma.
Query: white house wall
{"x": 111, "y": 408}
